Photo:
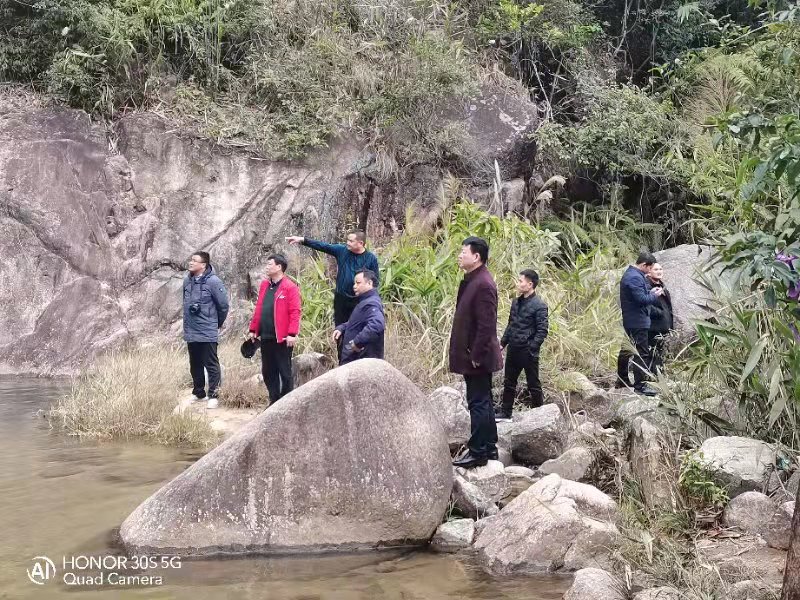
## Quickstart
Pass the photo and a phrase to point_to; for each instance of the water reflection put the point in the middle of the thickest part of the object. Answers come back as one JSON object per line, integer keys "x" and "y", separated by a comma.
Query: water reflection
{"x": 61, "y": 497}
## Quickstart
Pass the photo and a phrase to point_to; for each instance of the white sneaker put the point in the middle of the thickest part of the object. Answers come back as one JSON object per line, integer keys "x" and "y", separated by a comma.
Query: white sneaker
{"x": 192, "y": 399}
{"x": 212, "y": 403}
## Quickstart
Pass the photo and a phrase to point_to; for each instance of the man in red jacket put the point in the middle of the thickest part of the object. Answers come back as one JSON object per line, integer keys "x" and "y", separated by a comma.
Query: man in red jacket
{"x": 276, "y": 321}
{"x": 475, "y": 350}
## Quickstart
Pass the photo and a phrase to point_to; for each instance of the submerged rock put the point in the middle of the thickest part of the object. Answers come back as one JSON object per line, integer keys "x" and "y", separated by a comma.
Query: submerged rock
{"x": 353, "y": 459}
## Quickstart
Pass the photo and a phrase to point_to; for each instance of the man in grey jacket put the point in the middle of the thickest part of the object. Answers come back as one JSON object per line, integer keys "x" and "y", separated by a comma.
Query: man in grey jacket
{"x": 205, "y": 306}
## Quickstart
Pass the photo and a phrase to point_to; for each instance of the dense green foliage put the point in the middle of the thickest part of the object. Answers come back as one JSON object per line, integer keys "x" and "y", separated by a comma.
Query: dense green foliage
{"x": 669, "y": 122}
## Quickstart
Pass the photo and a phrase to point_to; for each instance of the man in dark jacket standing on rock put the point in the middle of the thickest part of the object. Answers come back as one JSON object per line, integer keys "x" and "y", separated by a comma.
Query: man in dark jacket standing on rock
{"x": 351, "y": 258}
{"x": 524, "y": 336}
{"x": 475, "y": 350}
{"x": 636, "y": 298}
{"x": 205, "y": 306}
{"x": 362, "y": 334}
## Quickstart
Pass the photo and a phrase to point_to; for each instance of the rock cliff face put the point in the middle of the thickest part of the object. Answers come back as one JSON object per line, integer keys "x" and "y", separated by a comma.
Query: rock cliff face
{"x": 96, "y": 225}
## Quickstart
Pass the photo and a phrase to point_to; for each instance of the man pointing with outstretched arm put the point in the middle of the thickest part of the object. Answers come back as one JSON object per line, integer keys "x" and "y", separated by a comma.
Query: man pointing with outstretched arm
{"x": 351, "y": 258}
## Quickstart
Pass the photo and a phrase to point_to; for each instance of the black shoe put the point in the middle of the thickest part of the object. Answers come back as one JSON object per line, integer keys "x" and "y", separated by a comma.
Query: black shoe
{"x": 502, "y": 416}
{"x": 621, "y": 385}
{"x": 493, "y": 455}
{"x": 468, "y": 461}
{"x": 646, "y": 390}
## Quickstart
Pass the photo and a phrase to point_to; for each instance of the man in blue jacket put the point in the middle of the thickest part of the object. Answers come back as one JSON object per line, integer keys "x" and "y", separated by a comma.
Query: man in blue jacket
{"x": 351, "y": 258}
{"x": 636, "y": 298}
{"x": 362, "y": 334}
{"x": 205, "y": 306}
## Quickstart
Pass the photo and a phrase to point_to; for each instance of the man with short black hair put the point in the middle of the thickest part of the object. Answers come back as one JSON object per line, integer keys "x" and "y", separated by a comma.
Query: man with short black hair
{"x": 523, "y": 337}
{"x": 205, "y": 307}
{"x": 276, "y": 321}
{"x": 362, "y": 334}
{"x": 475, "y": 351}
{"x": 636, "y": 298}
{"x": 351, "y": 258}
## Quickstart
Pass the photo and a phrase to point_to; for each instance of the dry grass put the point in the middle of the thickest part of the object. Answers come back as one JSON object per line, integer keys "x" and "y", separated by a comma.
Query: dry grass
{"x": 132, "y": 393}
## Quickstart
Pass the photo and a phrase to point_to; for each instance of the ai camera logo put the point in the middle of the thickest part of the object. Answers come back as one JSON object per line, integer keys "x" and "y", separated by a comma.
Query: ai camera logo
{"x": 42, "y": 571}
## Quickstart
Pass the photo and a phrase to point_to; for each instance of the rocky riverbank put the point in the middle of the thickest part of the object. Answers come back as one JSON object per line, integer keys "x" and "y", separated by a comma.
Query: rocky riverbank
{"x": 559, "y": 500}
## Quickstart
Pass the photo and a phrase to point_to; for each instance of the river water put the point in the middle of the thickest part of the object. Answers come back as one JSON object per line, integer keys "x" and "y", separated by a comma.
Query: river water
{"x": 63, "y": 499}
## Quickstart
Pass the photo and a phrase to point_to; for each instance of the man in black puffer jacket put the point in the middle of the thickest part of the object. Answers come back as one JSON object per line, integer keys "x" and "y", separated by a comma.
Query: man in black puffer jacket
{"x": 524, "y": 335}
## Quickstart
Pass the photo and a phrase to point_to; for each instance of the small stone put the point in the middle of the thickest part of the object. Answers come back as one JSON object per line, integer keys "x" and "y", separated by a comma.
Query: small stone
{"x": 594, "y": 584}
{"x": 454, "y": 535}
{"x": 778, "y": 530}
{"x": 470, "y": 500}
{"x": 574, "y": 464}
{"x": 539, "y": 434}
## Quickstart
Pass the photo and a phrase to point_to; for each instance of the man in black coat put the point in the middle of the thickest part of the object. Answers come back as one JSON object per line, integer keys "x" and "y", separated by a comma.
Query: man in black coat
{"x": 475, "y": 351}
{"x": 635, "y": 298}
{"x": 524, "y": 335}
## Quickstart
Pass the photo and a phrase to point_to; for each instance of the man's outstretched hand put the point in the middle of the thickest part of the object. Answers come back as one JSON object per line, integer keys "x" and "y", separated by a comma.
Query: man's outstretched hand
{"x": 295, "y": 239}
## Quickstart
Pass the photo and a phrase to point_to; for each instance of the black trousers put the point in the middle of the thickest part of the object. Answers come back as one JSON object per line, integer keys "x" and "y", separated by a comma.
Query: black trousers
{"x": 202, "y": 358}
{"x": 658, "y": 344}
{"x": 276, "y": 367}
{"x": 518, "y": 360}
{"x": 343, "y": 307}
{"x": 481, "y": 413}
{"x": 641, "y": 359}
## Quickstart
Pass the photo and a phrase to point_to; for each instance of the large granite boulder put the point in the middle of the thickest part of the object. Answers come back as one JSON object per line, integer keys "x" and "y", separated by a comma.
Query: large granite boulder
{"x": 497, "y": 122}
{"x": 691, "y": 301}
{"x": 538, "y": 434}
{"x": 740, "y": 464}
{"x": 554, "y": 525}
{"x": 353, "y": 459}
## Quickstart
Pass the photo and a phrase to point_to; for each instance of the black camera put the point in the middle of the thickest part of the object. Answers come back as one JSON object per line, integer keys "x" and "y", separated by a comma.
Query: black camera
{"x": 194, "y": 308}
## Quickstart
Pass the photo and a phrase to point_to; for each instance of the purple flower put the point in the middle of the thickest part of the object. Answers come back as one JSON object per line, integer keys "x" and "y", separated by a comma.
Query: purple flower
{"x": 794, "y": 290}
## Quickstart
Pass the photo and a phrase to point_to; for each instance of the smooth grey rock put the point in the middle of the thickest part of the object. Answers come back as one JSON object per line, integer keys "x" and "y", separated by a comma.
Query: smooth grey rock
{"x": 596, "y": 584}
{"x": 454, "y": 535}
{"x": 377, "y": 473}
{"x": 778, "y": 530}
{"x": 583, "y": 395}
{"x": 480, "y": 524}
{"x": 451, "y": 408}
{"x": 538, "y": 435}
{"x": 520, "y": 470}
{"x": 753, "y": 590}
{"x": 470, "y": 500}
{"x": 749, "y": 512}
{"x": 554, "y": 525}
{"x": 491, "y": 479}
{"x": 691, "y": 301}
{"x": 740, "y": 464}
{"x": 659, "y": 593}
{"x": 308, "y": 366}
{"x": 574, "y": 464}
{"x": 646, "y": 457}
